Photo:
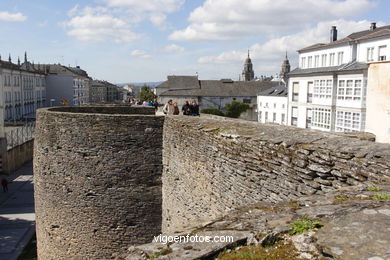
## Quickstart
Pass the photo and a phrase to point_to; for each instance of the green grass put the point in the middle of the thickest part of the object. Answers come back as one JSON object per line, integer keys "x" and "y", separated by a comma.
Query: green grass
{"x": 373, "y": 188}
{"x": 280, "y": 250}
{"x": 340, "y": 198}
{"x": 304, "y": 225}
{"x": 382, "y": 196}
{"x": 164, "y": 251}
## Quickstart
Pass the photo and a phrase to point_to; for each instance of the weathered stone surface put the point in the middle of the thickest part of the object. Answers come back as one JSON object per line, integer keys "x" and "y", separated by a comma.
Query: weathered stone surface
{"x": 97, "y": 179}
{"x": 358, "y": 235}
{"x": 212, "y": 166}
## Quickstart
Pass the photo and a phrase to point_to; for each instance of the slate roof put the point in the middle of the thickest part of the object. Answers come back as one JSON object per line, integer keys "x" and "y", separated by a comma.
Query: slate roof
{"x": 357, "y": 36}
{"x": 23, "y": 67}
{"x": 214, "y": 88}
{"x": 280, "y": 90}
{"x": 351, "y": 66}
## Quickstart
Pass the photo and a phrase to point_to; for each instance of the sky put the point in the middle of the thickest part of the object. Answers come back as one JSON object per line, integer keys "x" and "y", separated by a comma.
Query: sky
{"x": 147, "y": 40}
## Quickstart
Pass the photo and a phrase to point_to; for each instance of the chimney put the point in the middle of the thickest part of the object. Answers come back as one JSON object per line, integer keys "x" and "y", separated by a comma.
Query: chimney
{"x": 333, "y": 34}
{"x": 373, "y": 26}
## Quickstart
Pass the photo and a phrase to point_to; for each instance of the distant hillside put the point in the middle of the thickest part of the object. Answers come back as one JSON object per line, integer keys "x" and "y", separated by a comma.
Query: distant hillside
{"x": 140, "y": 84}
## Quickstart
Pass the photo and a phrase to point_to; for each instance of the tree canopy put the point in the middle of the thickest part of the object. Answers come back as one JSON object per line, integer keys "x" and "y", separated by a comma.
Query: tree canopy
{"x": 146, "y": 93}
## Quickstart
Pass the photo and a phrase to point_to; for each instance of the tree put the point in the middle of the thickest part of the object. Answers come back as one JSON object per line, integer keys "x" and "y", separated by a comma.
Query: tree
{"x": 146, "y": 93}
{"x": 235, "y": 109}
{"x": 212, "y": 111}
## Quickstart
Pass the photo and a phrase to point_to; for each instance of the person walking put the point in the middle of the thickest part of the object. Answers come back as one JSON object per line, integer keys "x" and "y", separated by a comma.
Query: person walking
{"x": 168, "y": 108}
{"x": 176, "y": 110}
{"x": 194, "y": 108}
{"x": 4, "y": 183}
{"x": 186, "y": 108}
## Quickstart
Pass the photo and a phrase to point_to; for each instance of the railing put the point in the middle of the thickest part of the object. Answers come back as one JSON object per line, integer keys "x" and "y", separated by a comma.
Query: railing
{"x": 20, "y": 135}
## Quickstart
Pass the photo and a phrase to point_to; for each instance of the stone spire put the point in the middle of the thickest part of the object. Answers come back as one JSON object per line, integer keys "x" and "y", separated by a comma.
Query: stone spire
{"x": 248, "y": 74}
{"x": 18, "y": 61}
{"x": 25, "y": 56}
{"x": 9, "y": 58}
{"x": 285, "y": 70}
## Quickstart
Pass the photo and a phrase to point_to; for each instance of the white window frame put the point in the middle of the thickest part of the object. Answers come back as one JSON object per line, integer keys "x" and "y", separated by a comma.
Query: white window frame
{"x": 370, "y": 54}
{"x": 347, "y": 121}
{"x": 321, "y": 118}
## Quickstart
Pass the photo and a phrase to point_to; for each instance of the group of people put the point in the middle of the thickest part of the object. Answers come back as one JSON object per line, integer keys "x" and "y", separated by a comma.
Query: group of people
{"x": 147, "y": 102}
{"x": 188, "y": 109}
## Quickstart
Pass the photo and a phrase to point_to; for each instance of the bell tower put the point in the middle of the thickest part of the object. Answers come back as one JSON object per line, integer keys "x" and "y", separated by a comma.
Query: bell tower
{"x": 248, "y": 74}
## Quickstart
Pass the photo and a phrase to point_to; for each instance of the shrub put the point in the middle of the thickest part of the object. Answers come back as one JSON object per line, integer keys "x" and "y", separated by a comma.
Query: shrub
{"x": 235, "y": 109}
{"x": 212, "y": 111}
{"x": 373, "y": 188}
{"x": 303, "y": 225}
{"x": 382, "y": 196}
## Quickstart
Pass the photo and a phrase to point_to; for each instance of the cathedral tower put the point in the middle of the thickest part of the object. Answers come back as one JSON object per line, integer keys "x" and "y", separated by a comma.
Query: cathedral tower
{"x": 285, "y": 69}
{"x": 248, "y": 74}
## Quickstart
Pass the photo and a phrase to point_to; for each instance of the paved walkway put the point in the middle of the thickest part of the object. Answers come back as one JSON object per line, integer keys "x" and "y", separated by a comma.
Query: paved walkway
{"x": 17, "y": 215}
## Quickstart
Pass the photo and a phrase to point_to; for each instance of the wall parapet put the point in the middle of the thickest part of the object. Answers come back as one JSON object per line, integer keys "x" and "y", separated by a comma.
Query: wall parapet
{"x": 212, "y": 166}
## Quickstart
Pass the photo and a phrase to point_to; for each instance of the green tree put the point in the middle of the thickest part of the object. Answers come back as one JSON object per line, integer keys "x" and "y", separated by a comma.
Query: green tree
{"x": 146, "y": 93}
{"x": 235, "y": 109}
{"x": 212, "y": 111}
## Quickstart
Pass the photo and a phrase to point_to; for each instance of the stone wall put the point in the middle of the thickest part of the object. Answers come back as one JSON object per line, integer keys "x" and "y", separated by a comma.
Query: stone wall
{"x": 14, "y": 158}
{"x": 97, "y": 178}
{"x": 213, "y": 165}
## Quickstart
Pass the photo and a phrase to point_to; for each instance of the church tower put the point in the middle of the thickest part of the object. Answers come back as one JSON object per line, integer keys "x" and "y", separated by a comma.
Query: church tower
{"x": 285, "y": 69}
{"x": 248, "y": 74}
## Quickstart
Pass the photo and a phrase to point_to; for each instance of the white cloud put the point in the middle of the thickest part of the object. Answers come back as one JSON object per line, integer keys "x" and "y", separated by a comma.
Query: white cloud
{"x": 12, "y": 17}
{"x": 270, "y": 54}
{"x": 160, "y": 6}
{"x": 174, "y": 48}
{"x": 100, "y": 27}
{"x": 230, "y": 19}
{"x": 140, "y": 54}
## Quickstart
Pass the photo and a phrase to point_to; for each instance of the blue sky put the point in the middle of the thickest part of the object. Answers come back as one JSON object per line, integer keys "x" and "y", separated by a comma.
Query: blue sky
{"x": 139, "y": 41}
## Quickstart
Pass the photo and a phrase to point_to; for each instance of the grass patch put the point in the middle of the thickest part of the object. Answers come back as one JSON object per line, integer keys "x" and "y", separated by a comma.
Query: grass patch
{"x": 280, "y": 250}
{"x": 30, "y": 251}
{"x": 340, "y": 198}
{"x": 382, "y": 196}
{"x": 373, "y": 188}
{"x": 164, "y": 251}
{"x": 304, "y": 225}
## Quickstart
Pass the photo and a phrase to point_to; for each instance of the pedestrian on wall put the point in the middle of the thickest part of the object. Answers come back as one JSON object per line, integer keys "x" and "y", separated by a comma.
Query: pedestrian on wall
{"x": 176, "y": 110}
{"x": 168, "y": 108}
{"x": 186, "y": 108}
{"x": 194, "y": 108}
{"x": 4, "y": 183}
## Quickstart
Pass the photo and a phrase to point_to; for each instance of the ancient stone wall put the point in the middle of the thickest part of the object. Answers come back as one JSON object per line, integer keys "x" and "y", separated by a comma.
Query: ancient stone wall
{"x": 213, "y": 165}
{"x": 97, "y": 177}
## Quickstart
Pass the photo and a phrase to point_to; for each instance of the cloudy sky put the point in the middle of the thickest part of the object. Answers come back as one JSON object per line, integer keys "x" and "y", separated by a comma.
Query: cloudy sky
{"x": 146, "y": 40}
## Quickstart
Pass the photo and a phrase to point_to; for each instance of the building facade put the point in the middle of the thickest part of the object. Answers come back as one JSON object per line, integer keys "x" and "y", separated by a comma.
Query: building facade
{"x": 68, "y": 85}
{"x": 328, "y": 91}
{"x": 22, "y": 90}
{"x": 104, "y": 92}
{"x": 272, "y": 105}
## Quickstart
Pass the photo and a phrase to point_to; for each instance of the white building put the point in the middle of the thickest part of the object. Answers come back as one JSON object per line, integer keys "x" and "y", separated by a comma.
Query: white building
{"x": 70, "y": 84}
{"x": 272, "y": 105}
{"x": 22, "y": 90}
{"x": 328, "y": 91}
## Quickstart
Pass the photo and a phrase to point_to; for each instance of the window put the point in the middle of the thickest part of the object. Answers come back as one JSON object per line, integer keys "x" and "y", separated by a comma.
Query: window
{"x": 246, "y": 100}
{"x": 370, "y": 54}
{"x": 266, "y": 116}
{"x": 303, "y": 62}
{"x": 382, "y": 53}
{"x": 323, "y": 60}
{"x": 316, "y": 61}
{"x": 321, "y": 118}
{"x": 349, "y": 90}
{"x": 283, "y": 106}
{"x": 260, "y": 104}
{"x": 294, "y": 116}
{"x": 308, "y": 117}
{"x": 283, "y": 119}
{"x": 309, "y": 61}
{"x": 274, "y": 117}
{"x": 309, "y": 92}
{"x": 323, "y": 89}
{"x": 340, "y": 56}
{"x": 260, "y": 115}
{"x": 348, "y": 121}
{"x": 295, "y": 93}
{"x": 331, "y": 59}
